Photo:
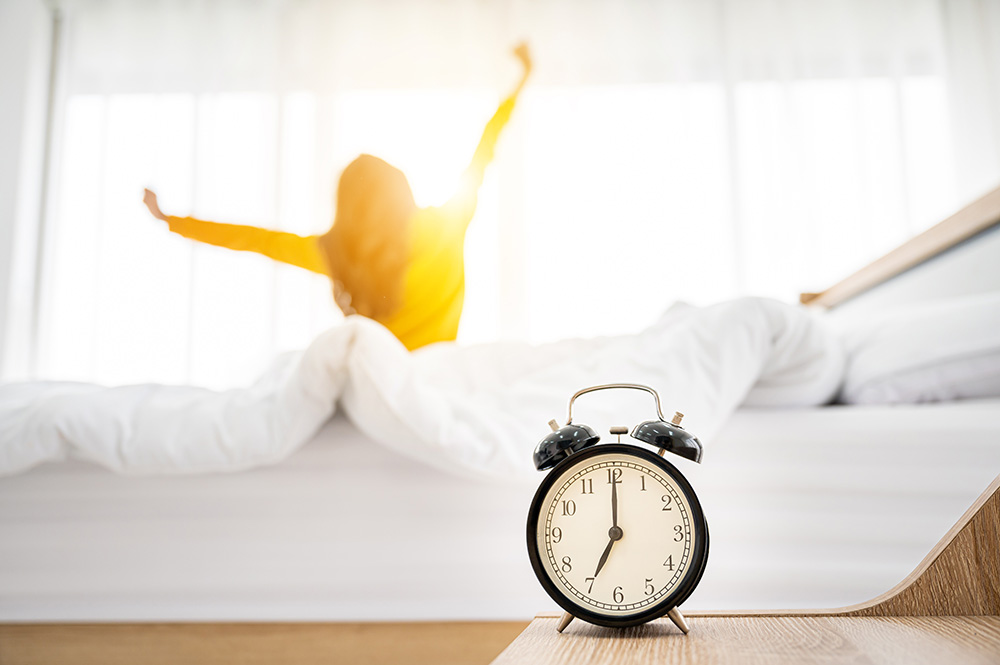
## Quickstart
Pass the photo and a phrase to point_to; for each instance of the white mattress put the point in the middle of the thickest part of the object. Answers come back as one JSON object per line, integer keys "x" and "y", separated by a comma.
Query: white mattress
{"x": 807, "y": 508}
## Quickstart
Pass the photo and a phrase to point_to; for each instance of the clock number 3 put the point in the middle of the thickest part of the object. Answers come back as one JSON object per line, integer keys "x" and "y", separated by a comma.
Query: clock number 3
{"x": 678, "y": 533}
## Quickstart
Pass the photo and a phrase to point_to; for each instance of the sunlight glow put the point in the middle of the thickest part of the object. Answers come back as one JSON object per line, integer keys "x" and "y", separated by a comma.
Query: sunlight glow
{"x": 613, "y": 201}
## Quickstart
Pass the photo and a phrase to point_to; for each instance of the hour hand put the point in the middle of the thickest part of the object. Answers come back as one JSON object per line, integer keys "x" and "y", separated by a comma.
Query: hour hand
{"x": 604, "y": 557}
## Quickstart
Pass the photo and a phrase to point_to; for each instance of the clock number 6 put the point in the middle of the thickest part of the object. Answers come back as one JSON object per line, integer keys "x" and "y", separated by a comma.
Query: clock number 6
{"x": 619, "y": 596}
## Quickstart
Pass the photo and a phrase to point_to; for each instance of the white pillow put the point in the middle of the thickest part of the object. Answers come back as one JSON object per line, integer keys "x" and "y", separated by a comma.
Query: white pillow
{"x": 936, "y": 351}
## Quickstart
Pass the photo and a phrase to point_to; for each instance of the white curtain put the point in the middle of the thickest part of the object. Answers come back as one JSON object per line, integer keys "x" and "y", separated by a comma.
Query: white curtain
{"x": 664, "y": 150}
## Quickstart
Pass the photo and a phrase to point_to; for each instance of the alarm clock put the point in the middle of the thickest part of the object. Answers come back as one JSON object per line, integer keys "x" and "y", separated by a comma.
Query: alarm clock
{"x": 616, "y": 535}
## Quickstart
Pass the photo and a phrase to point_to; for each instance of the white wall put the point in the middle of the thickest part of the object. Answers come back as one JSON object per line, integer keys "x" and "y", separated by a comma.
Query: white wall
{"x": 25, "y": 46}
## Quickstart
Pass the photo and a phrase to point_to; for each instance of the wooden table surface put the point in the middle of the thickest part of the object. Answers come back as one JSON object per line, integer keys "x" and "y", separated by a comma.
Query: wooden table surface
{"x": 773, "y": 640}
{"x": 415, "y": 643}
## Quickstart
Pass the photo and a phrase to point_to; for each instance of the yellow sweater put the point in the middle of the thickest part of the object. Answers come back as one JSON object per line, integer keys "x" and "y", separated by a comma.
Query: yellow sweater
{"x": 434, "y": 286}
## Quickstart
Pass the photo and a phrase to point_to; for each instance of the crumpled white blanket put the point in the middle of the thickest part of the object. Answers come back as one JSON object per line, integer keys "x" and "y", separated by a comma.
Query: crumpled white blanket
{"x": 478, "y": 409}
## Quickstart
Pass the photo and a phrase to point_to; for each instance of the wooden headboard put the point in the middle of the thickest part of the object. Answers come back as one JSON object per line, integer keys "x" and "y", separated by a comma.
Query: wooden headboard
{"x": 978, "y": 223}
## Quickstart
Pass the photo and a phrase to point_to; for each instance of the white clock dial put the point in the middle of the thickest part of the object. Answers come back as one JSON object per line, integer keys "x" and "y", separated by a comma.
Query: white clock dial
{"x": 615, "y": 534}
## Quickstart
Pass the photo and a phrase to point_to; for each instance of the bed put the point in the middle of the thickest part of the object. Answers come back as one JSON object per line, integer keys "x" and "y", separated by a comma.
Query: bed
{"x": 807, "y": 507}
{"x": 831, "y": 507}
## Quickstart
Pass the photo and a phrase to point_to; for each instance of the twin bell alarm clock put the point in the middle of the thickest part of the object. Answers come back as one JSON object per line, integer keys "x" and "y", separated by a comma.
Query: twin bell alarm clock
{"x": 616, "y": 535}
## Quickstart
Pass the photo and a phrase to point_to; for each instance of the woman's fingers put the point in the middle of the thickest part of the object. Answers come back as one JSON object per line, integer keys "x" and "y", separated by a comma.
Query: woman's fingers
{"x": 523, "y": 54}
{"x": 149, "y": 198}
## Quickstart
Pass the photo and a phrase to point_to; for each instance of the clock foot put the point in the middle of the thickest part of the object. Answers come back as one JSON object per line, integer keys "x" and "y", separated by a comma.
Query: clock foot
{"x": 564, "y": 621}
{"x": 678, "y": 620}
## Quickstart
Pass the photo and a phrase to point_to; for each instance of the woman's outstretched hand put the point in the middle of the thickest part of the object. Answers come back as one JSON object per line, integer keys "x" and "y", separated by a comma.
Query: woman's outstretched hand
{"x": 149, "y": 198}
{"x": 523, "y": 53}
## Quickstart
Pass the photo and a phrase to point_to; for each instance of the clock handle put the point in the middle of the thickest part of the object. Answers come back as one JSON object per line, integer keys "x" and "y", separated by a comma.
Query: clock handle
{"x": 610, "y": 386}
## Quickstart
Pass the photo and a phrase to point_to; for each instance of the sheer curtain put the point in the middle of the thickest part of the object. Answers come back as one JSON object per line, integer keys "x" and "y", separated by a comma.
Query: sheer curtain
{"x": 663, "y": 151}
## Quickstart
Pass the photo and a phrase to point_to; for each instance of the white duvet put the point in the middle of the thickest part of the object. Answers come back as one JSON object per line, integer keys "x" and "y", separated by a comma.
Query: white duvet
{"x": 478, "y": 409}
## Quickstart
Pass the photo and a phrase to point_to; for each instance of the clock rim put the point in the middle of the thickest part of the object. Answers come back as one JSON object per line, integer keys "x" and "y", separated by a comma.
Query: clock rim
{"x": 699, "y": 554}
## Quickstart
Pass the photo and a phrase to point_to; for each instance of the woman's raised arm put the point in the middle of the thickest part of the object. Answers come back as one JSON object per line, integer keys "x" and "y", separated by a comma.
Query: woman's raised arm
{"x": 296, "y": 250}
{"x": 463, "y": 203}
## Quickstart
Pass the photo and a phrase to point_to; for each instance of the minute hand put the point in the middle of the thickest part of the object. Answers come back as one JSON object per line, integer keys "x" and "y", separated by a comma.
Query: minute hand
{"x": 614, "y": 504}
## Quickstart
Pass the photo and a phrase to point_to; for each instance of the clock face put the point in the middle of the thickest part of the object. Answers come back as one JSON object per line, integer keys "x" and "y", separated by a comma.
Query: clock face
{"x": 616, "y": 535}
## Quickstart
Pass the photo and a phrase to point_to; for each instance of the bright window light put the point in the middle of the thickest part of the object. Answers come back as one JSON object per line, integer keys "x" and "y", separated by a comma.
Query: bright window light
{"x": 611, "y": 201}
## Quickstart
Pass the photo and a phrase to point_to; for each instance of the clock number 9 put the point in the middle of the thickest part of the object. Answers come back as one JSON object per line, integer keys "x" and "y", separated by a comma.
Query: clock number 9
{"x": 556, "y": 535}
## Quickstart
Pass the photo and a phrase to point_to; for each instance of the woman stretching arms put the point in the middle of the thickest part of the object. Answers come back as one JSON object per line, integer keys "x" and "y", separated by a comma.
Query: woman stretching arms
{"x": 386, "y": 258}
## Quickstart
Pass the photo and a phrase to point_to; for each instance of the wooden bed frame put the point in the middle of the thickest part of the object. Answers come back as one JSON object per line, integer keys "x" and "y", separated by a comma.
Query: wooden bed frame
{"x": 975, "y": 218}
{"x": 927, "y": 591}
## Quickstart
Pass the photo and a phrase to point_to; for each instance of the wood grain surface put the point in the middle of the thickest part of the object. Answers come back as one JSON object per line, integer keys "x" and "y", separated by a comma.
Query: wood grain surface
{"x": 959, "y": 577}
{"x": 774, "y": 640}
{"x": 441, "y": 643}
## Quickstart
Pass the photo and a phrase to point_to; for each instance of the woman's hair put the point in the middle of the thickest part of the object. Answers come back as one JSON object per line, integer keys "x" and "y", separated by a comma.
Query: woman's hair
{"x": 367, "y": 248}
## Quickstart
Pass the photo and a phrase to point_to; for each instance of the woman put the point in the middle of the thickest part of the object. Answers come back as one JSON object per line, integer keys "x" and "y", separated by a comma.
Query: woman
{"x": 387, "y": 259}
